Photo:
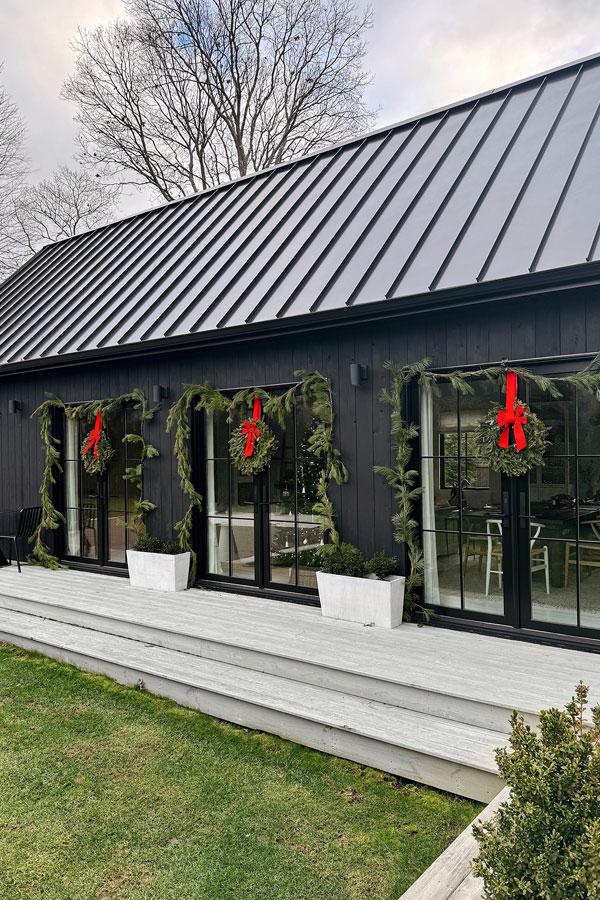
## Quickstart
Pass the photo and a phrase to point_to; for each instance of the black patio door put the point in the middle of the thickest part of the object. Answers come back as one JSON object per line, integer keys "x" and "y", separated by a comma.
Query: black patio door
{"x": 522, "y": 551}
{"x": 260, "y": 530}
{"x": 97, "y": 507}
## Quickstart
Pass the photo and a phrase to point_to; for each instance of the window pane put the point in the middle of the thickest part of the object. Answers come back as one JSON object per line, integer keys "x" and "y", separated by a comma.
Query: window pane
{"x": 282, "y": 549}
{"x": 445, "y": 420}
{"x": 554, "y": 581}
{"x": 217, "y": 435}
{"x": 73, "y": 534}
{"x": 442, "y": 569}
{"x": 89, "y": 517}
{"x": 588, "y": 414}
{"x": 589, "y": 584}
{"x": 217, "y": 482}
{"x": 242, "y": 548}
{"x": 218, "y": 546}
{"x": 552, "y": 498}
{"x": 559, "y": 416}
{"x": 242, "y": 493}
{"x": 483, "y": 570}
{"x": 589, "y": 498}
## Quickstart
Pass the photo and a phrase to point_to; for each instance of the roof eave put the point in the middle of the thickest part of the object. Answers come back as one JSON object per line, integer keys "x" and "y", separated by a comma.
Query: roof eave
{"x": 530, "y": 285}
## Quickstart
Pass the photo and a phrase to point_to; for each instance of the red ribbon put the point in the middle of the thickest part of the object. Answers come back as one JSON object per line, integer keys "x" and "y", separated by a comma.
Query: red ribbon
{"x": 513, "y": 415}
{"x": 94, "y": 436}
{"x": 249, "y": 428}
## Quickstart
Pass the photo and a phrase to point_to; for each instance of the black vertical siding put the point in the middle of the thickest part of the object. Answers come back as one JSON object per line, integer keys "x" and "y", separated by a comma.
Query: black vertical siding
{"x": 520, "y": 329}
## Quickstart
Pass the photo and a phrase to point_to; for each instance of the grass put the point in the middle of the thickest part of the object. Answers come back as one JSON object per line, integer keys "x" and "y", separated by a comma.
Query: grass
{"x": 107, "y": 792}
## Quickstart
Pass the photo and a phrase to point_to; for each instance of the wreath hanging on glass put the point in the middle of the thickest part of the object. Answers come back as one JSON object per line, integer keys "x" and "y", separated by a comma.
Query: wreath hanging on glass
{"x": 96, "y": 449}
{"x": 511, "y": 438}
{"x": 252, "y": 444}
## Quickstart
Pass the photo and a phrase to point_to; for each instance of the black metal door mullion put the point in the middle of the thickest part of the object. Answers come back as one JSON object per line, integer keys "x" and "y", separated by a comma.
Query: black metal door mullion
{"x": 261, "y": 529}
{"x": 102, "y": 507}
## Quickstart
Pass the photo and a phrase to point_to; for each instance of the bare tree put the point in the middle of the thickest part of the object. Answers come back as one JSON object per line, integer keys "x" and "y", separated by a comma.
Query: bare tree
{"x": 189, "y": 93}
{"x": 67, "y": 203}
{"x": 13, "y": 169}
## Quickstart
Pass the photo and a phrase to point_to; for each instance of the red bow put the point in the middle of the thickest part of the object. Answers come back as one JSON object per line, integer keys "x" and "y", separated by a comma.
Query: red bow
{"x": 513, "y": 414}
{"x": 249, "y": 428}
{"x": 94, "y": 436}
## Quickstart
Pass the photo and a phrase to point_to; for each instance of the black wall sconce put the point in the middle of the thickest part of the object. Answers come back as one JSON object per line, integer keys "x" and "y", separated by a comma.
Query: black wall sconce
{"x": 358, "y": 374}
{"x": 159, "y": 393}
{"x": 14, "y": 406}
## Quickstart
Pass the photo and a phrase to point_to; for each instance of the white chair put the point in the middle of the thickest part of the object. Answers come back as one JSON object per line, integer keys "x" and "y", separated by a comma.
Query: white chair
{"x": 493, "y": 528}
{"x": 538, "y": 555}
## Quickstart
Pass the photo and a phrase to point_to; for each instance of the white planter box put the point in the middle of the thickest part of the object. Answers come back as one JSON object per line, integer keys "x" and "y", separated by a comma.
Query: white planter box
{"x": 367, "y": 600}
{"x": 158, "y": 571}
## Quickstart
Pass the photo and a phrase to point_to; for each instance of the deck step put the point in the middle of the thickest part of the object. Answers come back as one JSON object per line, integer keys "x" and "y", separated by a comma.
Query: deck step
{"x": 258, "y": 635}
{"x": 450, "y": 755}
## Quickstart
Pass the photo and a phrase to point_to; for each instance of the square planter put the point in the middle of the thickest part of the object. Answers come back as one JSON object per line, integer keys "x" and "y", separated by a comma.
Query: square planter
{"x": 366, "y": 600}
{"x": 158, "y": 571}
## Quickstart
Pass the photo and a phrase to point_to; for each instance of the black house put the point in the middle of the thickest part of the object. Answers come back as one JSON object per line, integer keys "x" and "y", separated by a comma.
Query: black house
{"x": 468, "y": 235}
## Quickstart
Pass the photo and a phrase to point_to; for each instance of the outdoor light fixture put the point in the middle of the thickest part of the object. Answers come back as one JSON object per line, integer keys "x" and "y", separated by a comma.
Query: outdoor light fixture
{"x": 159, "y": 393}
{"x": 358, "y": 374}
{"x": 14, "y": 406}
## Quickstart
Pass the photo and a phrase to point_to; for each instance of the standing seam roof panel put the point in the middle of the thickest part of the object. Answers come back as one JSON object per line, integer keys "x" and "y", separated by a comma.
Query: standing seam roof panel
{"x": 499, "y": 186}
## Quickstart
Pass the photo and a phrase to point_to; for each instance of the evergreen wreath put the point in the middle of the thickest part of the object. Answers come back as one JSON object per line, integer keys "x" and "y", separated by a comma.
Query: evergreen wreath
{"x": 508, "y": 460}
{"x": 96, "y": 451}
{"x": 265, "y": 446}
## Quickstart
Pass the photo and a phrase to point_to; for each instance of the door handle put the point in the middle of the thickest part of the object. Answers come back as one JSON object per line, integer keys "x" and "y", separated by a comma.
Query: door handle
{"x": 524, "y": 515}
{"x": 505, "y": 509}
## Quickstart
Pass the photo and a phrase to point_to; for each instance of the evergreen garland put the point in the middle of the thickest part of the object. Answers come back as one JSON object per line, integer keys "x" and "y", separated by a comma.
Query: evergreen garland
{"x": 51, "y": 517}
{"x": 314, "y": 388}
{"x": 403, "y": 478}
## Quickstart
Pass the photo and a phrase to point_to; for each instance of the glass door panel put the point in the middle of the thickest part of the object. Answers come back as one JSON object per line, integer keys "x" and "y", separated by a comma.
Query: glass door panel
{"x": 262, "y": 529}
{"x": 462, "y": 537}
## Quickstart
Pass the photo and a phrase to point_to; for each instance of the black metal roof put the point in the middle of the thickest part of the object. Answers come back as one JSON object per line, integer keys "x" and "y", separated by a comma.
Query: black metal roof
{"x": 500, "y": 185}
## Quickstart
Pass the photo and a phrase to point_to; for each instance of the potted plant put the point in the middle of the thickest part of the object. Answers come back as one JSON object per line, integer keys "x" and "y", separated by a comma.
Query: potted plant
{"x": 158, "y": 565}
{"x": 358, "y": 589}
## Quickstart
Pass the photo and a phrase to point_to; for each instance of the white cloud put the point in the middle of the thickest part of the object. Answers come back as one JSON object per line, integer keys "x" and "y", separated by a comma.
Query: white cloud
{"x": 426, "y": 53}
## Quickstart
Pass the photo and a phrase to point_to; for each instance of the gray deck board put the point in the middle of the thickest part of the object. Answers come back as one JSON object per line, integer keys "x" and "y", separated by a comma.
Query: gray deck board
{"x": 516, "y": 674}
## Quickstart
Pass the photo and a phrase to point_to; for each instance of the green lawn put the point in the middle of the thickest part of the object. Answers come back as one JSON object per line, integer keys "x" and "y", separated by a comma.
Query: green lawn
{"x": 108, "y": 792}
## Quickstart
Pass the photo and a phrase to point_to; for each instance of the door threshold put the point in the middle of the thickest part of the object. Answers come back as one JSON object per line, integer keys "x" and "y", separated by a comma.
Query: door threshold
{"x": 253, "y": 591}
{"x": 509, "y": 632}
{"x": 96, "y": 568}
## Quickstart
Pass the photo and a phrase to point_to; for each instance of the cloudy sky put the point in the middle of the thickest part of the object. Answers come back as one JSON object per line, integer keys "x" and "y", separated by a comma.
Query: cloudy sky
{"x": 422, "y": 54}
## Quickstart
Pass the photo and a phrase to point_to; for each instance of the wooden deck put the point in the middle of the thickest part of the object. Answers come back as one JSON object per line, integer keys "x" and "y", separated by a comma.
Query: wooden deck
{"x": 424, "y": 703}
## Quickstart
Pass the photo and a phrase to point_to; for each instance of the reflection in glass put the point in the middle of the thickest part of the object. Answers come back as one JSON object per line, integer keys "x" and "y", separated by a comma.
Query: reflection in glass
{"x": 89, "y": 531}
{"x": 554, "y": 581}
{"x": 559, "y": 416}
{"x": 242, "y": 548}
{"x": 218, "y": 545}
{"x": 588, "y": 416}
{"x": 217, "y": 487}
{"x": 589, "y": 583}
{"x": 589, "y": 497}
{"x": 442, "y": 570}
{"x": 483, "y": 569}
{"x": 282, "y": 550}
{"x": 552, "y": 497}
